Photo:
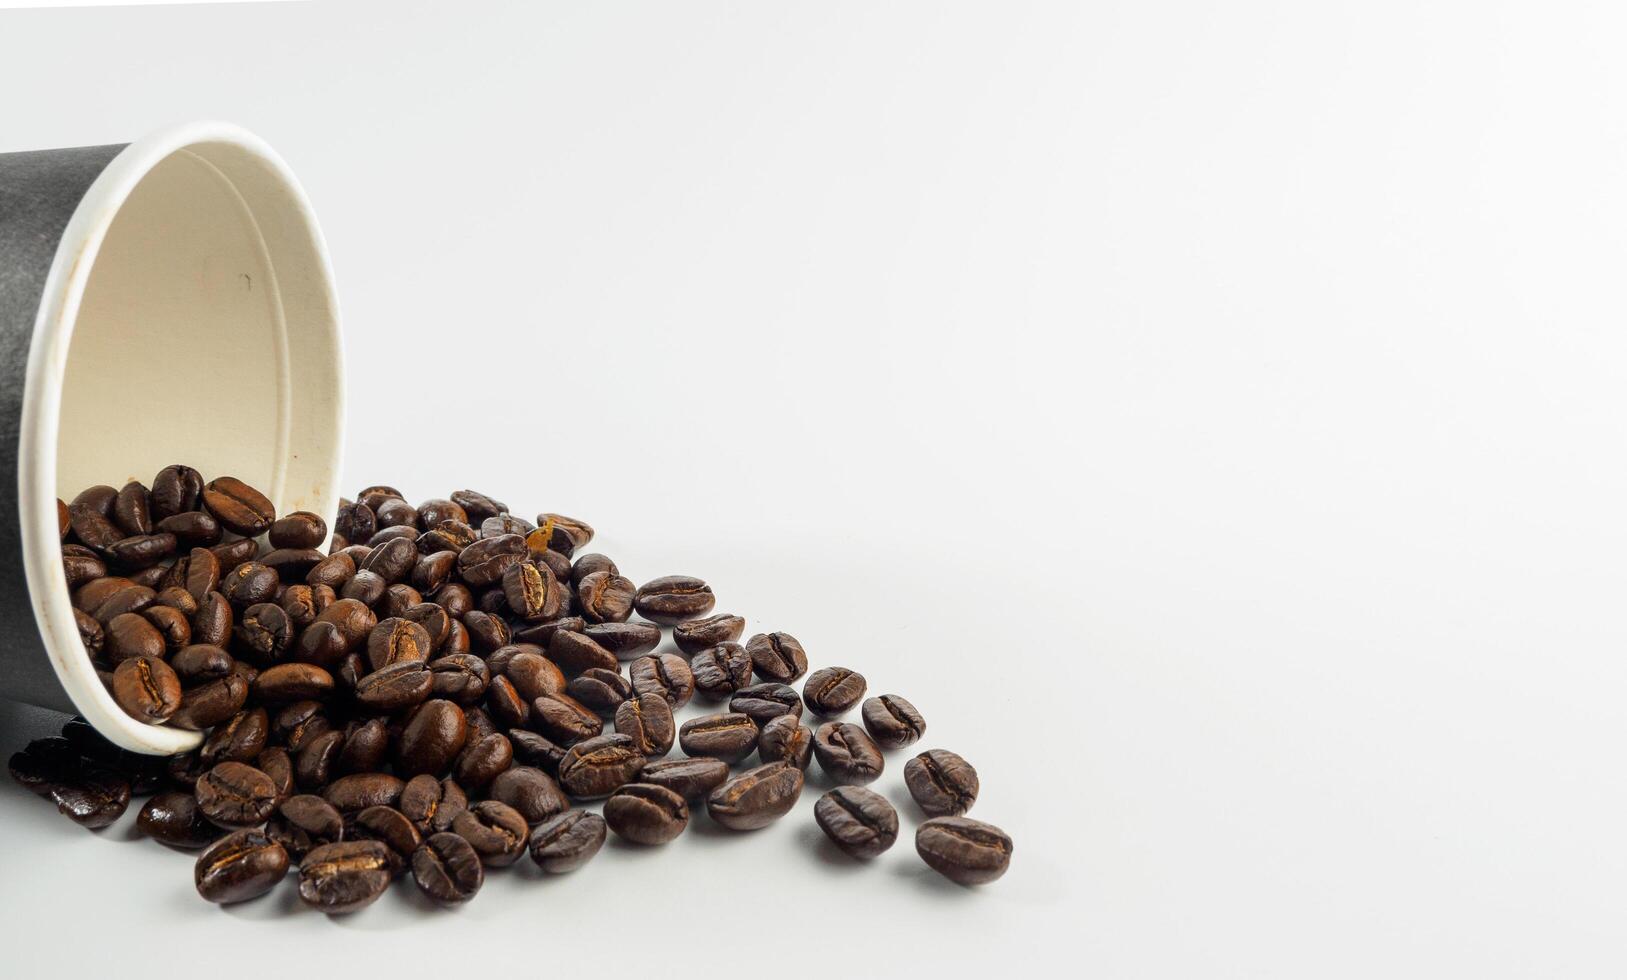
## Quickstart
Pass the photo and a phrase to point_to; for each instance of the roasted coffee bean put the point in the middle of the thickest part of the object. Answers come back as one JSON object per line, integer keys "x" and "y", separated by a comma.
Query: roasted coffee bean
{"x": 239, "y": 867}
{"x": 292, "y": 564}
{"x": 132, "y": 510}
{"x": 432, "y": 804}
{"x": 721, "y": 670}
{"x": 477, "y": 505}
{"x": 314, "y": 765}
{"x": 542, "y": 634}
{"x": 431, "y": 739}
{"x": 831, "y": 691}
{"x": 212, "y": 623}
{"x": 91, "y": 634}
{"x": 389, "y": 827}
{"x": 185, "y": 770}
{"x": 44, "y": 762}
{"x": 395, "y": 687}
{"x": 264, "y": 633}
{"x": 287, "y": 683}
{"x": 647, "y": 720}
{"x": 586, "y": 565}
{"x": 625, "y": 641}
{"x": 531, "y": 792}
{"x": 91, "y": 796}
{"x": 697, "y": 635}
{"x": 243, "y": 509}
{"x": 566, "y": 534}
{"x": 202, "y": 574}
{"x": 299, "y": 722}
{"x": 355, "y": 523}
{"x": 92, "y": 595}
{"x": 486, "y": 631}
{"x": 131, "y": 635}
{"x": 757, "y": 797}
{"x": 395, "y": 641}
{"x": 275, "y": 762}
{"x": 147, "y": 689}
{"x": 460, "y": 678}
{"x": 193, "y": 529}
{"x": 492, "y": 602}
{"x": 303, "y": 603}
{"x": 564, "y": 719}
{"x": 250, "y": 583}
{"x": 447, "y": 536}
{"x": 860, "y": 822}
{"x": 176, "y": 490}
{"x": 434, "y": 620}
{"x": 397, "y": 599}
{"x": 483, "y": 563}
{"x": 154, "y": 577}
{"x": 777, "y": 657}
{"x": 333, "y": 571}
{"x": 81, "y": 565}
{"x": 431, "y": 572}
{"x": 501, "y": 524}
{"x": 400, "y": 531}
{"x": 568, "y": 841}
{"x": 892, "y": 721}
{"x": 646, "y": 814}
{"x": 846, "y": 753}
{"x": 171, "y": 624}
{"x": 365, "y": 745}
{"x": 606, "y": 598}
{"x": 301, "y": 529}
{"x": 324, "y": 644}
{"x": 212, "y": 702}
{"x": 941, "y": 782}
{"x": 362, "y": 790}
{"x": 505, "y": 705}
{"x": 240, "y": 739}
{"x": 236, "y": 795}
{"x": 92, "y": 528}
{"x": 532, "y": 592}
{"x": 496, "y": 831}
{"x": 785, "y": 739}
{"x": 966, "y": 851}
{"x": 576, "y": 653}
{"x": 200, "y": 663}
{"x": 142, "y": 550}
{"x": 344, "y": 877}
{"x": 172, "y": 818}
{"x": 177, "y": 599}
{"x": 730, "y": 737}
{"x": 765, "y": 702}
{"x": 482, "y": 761}
{"x": 448, "y": 869}
{"x": 665, "y": 674}
{"x": 395, "y": 512}
{"x": 594, "y": 767}
{"x": 600, "y": 689}
{"x": 364, "y": 587}
{"x": 693, "y": 779}
{"x": 231, "y": 554}
{"x": 304, "y": 822}
{"x": 392, "y": 561}
{"x": 532, "y": 674}
{"x": 353, "y": 620}
{"x": 531, "y": 749}
{"x": 671, "y": 599}
{"x": 480, "y": 724}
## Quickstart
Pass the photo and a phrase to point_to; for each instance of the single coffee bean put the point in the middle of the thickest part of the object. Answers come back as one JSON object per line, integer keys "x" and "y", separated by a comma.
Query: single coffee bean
{"x": 765, "y": 702}
{"x": 250, "y": 583}
{"x": 460, "y": 678}
{"x": 477, "y": 505}
{"x": 757, "y": 797}
{"x": 564, "y": 719}
{"x": 193, "y": 529}
{"x": 576, "y": 653}
{"x": 721, "y": 670}
{"x": 236, "y": 795}
{"x": 212, "y": 623}
{"x": 304, "y": 822}
{"x": 396, "y": 687}
{"x": 531, "y": 749}
{"x": 344, "y": 877}
{"x": 566, "y": 535}
{"x": 647, "y": 720}
{"x": 212, "y": 702}
{"x": 542, "y": 634}
{"x": 81, "y": 565}
{"x": 646, "y": 814}
{"x": 333, "y": 571}
{"x": 364, "y": 748}
{"x": 130, "y": 636}
{"x": 355, "y": 523}
{"x": 832, "y": 691}
{"x": 394, "y": 512}
{"x": 532, "y": 674}
{"x": 531, "y": 792}
{"x": 176, "y": 490}
{"x": 231, "y": 554}
{"x": 693, "y": 779}
{"x": 132, "y": 510}
{"x": 671, "y": 599}
{"x": 353, "y": 620}
{"x": 606, "y": 597}
{"x": 202, "y": 575}
{"x": 275, "y": 762}
{"x": 240, "y": 507}
{"x": 505, "y": 705}
{"x": 431, "y": 804}
{"x": 892, "y": 721}
{"x": 172, "y": 818}
{"x": 941, "y": 782}
{"x": 777, "y": 657}
{"x": 91, "y": 796}
{"x": 392, "y": 560}
{"x": 730, "y": 737}
{"x": 600, "y": 689}
{"x": 482, "y": 760}
{"x": 566, "y": 842}
{"x": 142, "y": 550}
{"x": 488, "y": 632}
{"x": 154, "y": 577}
{"x": 860, "y": 821}
{"x": 483, "y": 563}
{"x": 93, "y": 528}
{"x": 301, "y": 529}
{"x": 315, "y": 764}
{"x": 432, "y": 571}
{"x": 200, "y": 662}
{"x": 448, "y": 869}
{"x": 433, "y": 738}
{"x": 625, "y": 641}
{"x": 496, "y": 831}
{"x": 435, "y": 621}
{"x": 299, "y": 722}
{"x": 395, "y": 641}
{"x": 365, "y": 587}
{"x": 264, "y": 633}
{"x": 785, "y": 739}
{"x": 593, "y": 768}
{"x": 362, "y": 790}
{"x": 147, "y": 689}
{"x": 287, "y": 683}
{"x": 480, "y": 724}
{"x": 696, "y": 635}
{"x": 178, "y": 599}
{"x": 501, "y": 524}
{"x": 846, "y": 753}
{"x": 533, "y": 593}
{"x": 966, "y": 851}
{"x": 240, "y": 739}
{"x": 171, "y": 623}
{"x": 389, "y": 827}
{"x": 665, "y": 674}
{"x": 240, "y": 866}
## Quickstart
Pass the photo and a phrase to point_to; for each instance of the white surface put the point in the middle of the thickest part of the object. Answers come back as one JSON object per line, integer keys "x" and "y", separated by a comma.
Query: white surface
{"x": 1246, "y": 379}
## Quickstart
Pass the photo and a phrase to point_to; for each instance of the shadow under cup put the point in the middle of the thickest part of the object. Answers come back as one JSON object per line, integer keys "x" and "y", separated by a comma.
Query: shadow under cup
{"x": 165, "y": 301}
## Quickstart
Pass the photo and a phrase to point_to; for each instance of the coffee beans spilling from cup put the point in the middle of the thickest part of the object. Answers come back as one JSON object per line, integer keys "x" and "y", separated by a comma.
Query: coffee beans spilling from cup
{"x": 442, "y": 692}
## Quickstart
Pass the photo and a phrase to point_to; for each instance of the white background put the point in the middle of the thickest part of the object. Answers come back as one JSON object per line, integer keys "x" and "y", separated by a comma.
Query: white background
{"x": 1209, "y": 415}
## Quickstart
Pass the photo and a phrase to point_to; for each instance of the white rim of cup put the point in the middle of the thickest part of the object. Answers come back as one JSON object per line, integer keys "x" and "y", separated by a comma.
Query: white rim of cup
{"x": 37, "y": 440}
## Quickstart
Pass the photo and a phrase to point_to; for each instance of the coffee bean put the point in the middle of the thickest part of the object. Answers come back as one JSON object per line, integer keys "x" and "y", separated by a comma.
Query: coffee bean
{"x": 757, "y": 797}
{"x": 314, "y": 766}
{"x": 393, "y": 560}
{"x": 692, "y": 779}
{"x": 91, "y": 796}
{"x": 172, "y": 818}
{"x": 646, "y": 814}
{"x": 395, "y": 641}
{"x": 600, "y": 689}
{"x": 487, "y": 631}
{"x": 275, "y": 762}
{"x": 624, "y": 641}
{"x": 941, "y": 782}
{"x": 860, "y": 821}
{"x": 147, "y": 689}
{"x": 93, "y": 528}
{"x": 250, "y": 583}
{"x": 785, "y": 739}
{"x": 81, "y": 565}
{"x": 892, "y": 721}
{"x": 542, "y": 634}
{"x": 730, "y": 737}
{"x": 301, "y": 529}
{"x": 777, "y": 657}
{"x": 531, "y": 792}
{"x": 389, "y": 827}
{"x": 460, "y": 678}
{"x": 606, "y": 597}
{"x": 531, "y": 749}
{"x": 700, "y": 634}
{"x": 647, "y": 720}
{"x": 765, "y": 702}
{"x": 287, "y": 683}
{"x": 171, "y": 624}
{"x": 333, "y": 571}
{"x": 448, "y": 869}
{"x": 396, "y": 687}
{"x": 533, "y": 593}
{"x": 243, "y": 509}
{"x": 44, "y": 762}
{"x": 212, "y": 702}
{"x": 240, "y": 866}
{"x": 240, "y": 739}
{"x": 564, "y": 719}
{"x": 353, "y": 620}
{"x": 496, "y": 831}
{"x": 344, "y": 877}
{"x": 142, "y": 550}
{"x": 832, "y": 691}
{"x": 532, "y": 674}
{"x": 202, "y": 575}
{"x": 236, "y": 795}
{"x": 671, "y": 599}
{"x": 482, "y": 760}
{"x": 721, "y": 670}
{"x": 576, "y": 653}
{"x": 231, "y": 554}
{"x": 431, "y": 739}
{"x": 176, "y": 490}
{"x": 91, "y": 634}
{"x": 846, "y": 753}
{"x": 665, "y": 674}
{"x": 365, "y": 745}
{"x": 193, "y": 529}
{"x": 130, "y": 636}
{"x": 362, "y": 790}
{"x": 365, "y": 587}
{"x": 304, "y": 822}
{"x": 568, "y": 841}
{"x": 132, "y": 510}
{"x": 594, "y": 767}
{"x": 966, "y": 851}
{"x": 477, "y": 505}
{"x": 484, "y": 563}
{"x": 432, "y": 804}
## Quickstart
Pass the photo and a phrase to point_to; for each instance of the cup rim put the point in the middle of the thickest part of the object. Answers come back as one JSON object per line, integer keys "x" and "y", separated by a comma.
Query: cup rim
{"x": 64, "y": 289}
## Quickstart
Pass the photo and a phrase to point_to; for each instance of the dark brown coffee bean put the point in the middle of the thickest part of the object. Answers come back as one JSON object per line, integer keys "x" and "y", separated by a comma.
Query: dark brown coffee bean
{"x": 92, "y": 796}
{"x": 176, "y": 490}
{"x": 892, "y": 721}
{"x": 193, "y": 529}
{"x": 344, "y": 877}
{"x": 600, "y": 689}
{"x": 587, "y": 564}
{"x": 541, "y": 634}
{"x": 966, "y": 851}
{"x": 941, "y": 782}
{"x": 355, "y": 523}
{"x": 482, "y": 761}
{"x": 576, "y": 653}
{"x": 240, "y": 739}
{"x": 264, "y": 633}
{"x": 505, "y": 705}
{"x": 392, "y": 560}
{"x": 395, "y": 512}
{"x": 433, "y": 738}
{"x": 777, "y": 657}
{"x": 154, "y": 577}
{"x": 171, "y": 624}
{"x": 91, "y": 634}
{"x": 178, "y": 599}
{"x": 532, "y": 674}
{"x": 531, "y": 792}
{"x": 501, "y": 524}
{"x": 212, "y": 623}
{"x": 275, "y": 762}
{"x": 730, "y": 737}
{"x": 483, "y": 563}
{"x": 362, "y": 790}
{"x": 477, "y": 505}
{"x": 606, "y": 598}
{"x": 671, "y": 599}
{"x": 721, "y": 670}
{"x": 237, "y": 505}
{"x": 564, "y": 719}
{"x": 250, "y": 583}
{"x": 531, "y": 749}
{"x": 147, "y": 689}
{"x": 846, "y": 753}
{"x": 353, "y": 619}
{"x": 480, "y": 724}
{"x": 142, "y": 550}
{"x": 432, "y": 804}
{"x": 287, "y": 683}
{"x": 333, "y": 571}
{"x": 200, "y": 663}
{"x": 448, "y": 869}
{"x": 647, "y": 720}
{"x": 231, "y": 554}
{"x": 364, "y": 587}
{"x": 389, "y": 827}
{"x": 665, "y": 674}
{"x": 131, "y": 635}
{"x": 304, "y": 822}
{"x": 625, "y": 641}
{"x": 94, "y": 594}
{"x": 488, "y": 632}
{"x": 314, "y": 763}
{"x": 299, "y": 722}
{"x": 565, "y": 535}
{"x": 172, "y": 818}
{"x": 568, "y": 841}
{"x": 92, "y": 528}
{"x": 433, "y": 571}
{"x": 693, "y": 779}
{"x": 532, "y": 592}
{"x": 132, "y": 510}
{"x": 301, "y": 529}
{"x": 395, "y": 641}
{"x": 202, "y": 574}
{"x": 831, "y": 691}
{"x": 81, "y": 565}
{"x": 364, "y": 747}
{"x": 236, "y": 795}
{"x": 239, "y": 867}
{"x": 396, "y": 687}
{"x": 860, "y": 822}
{"x": 697, "y": 635}
{"x": 292, "y": 565}
{"x": 785, "y": 739}
{"x": 646, "y": 814}
{"x": 461, "y": 678}
{"x": 212, "y": 702}
{"x": 765, "y": 702}
{"x": 594, "y": 767}
{"x": 757, "y": 797}
{"x": 496, "y": 831}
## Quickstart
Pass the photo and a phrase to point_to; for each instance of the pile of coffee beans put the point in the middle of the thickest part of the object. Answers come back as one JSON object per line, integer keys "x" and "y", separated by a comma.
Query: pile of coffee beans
{"x": 442, "y": 691}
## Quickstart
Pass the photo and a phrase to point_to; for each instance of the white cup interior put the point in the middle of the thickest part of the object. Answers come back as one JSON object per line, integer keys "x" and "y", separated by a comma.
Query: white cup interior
{"x": 194, "y": 322}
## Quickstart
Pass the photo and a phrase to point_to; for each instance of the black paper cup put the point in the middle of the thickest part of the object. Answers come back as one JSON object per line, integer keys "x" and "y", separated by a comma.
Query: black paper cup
{"x": 164, "y": 301}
